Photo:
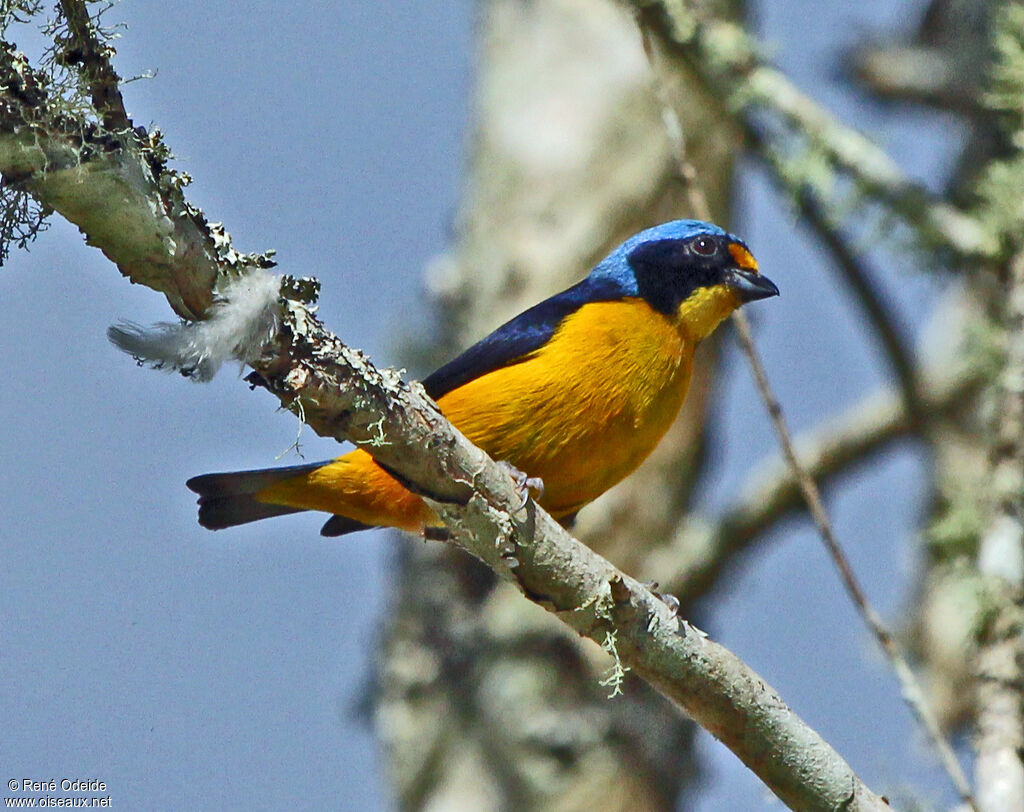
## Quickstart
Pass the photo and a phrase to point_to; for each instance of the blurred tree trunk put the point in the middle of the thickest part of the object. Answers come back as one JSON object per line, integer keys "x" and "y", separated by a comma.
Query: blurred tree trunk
{"x": 484, "y": 701}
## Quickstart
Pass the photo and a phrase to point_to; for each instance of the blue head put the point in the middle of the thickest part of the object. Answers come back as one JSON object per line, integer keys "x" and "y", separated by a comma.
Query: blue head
{"x": 693, "y": 272}
{"x": 684, "y": 260}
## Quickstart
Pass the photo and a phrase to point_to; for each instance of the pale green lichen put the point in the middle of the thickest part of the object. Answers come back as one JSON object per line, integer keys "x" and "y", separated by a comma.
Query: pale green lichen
{"x": 1008, "y": 69}
{"x": 1001, "y": 202}
{"x": 957, "y": 529}
{"x": 999, "y": 188}
{"x": 300, "y": 412}
{"x": 984, "y": 347}
{"x": 378, "y": 438}
{"x": 600, "y": 604}
{"x": 616, "y": 674}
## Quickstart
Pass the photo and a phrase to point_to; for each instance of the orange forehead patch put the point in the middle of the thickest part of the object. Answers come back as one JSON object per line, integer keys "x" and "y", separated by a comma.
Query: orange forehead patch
{"x": 742, "y": 256}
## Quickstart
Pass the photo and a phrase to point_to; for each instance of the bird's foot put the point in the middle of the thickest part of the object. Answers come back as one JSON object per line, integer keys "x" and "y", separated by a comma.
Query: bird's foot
{"x": 524, "y": 483}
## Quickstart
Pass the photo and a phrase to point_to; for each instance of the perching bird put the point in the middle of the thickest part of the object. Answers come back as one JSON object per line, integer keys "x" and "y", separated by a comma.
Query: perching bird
{"x": 576, "y": 391}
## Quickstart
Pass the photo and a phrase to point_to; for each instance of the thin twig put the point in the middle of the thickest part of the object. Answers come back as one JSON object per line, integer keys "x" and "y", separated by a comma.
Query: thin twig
{"x": 913, "y": 694}
{"x": 91, "y": 56}
{"x": 911, "y": 689}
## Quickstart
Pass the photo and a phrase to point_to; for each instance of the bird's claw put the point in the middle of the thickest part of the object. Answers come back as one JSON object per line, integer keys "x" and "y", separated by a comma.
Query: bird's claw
{"x": 671, "y": 601}
{"x": 524, "y": 483}
{"x": 667, "y": 598}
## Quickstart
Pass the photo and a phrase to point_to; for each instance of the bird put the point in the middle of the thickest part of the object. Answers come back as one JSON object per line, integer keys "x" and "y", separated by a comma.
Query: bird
{"x": 572, "y": 394}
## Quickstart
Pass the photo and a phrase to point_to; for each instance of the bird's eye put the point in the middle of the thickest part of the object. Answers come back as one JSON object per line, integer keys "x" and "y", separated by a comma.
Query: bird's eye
{"x": 704, "y": 246}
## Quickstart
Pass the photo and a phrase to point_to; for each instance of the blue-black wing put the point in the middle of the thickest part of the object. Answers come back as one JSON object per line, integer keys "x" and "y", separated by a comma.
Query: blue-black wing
{"x": 517, "y": 339}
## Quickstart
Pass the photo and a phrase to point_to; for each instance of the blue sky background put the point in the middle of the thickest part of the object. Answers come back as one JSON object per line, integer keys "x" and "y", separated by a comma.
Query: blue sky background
{"x": 193, "y": 670}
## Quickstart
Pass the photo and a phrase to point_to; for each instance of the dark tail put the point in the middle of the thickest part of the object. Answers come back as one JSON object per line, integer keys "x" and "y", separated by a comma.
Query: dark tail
{"x": 229, "y": 499}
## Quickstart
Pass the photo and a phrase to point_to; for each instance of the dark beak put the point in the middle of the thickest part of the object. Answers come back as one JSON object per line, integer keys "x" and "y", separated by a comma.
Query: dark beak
{"x": 750, "y": 286}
